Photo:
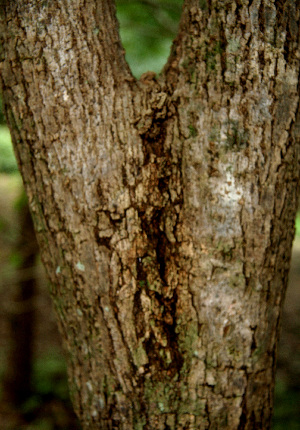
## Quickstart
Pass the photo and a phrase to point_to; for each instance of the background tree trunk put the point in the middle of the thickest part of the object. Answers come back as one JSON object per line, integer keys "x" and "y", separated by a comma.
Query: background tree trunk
{"x": 18, "y": 377}
{"x": 164, "y": 207}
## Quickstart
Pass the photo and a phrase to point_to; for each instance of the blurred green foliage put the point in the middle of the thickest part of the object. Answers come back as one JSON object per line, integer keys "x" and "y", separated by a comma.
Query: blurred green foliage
{"x": 50, "y": 389}
{"x": 298, "y": 224}
{"x": 147, "y": 29}
{"x": 49, "y": 375}
{"x": 8, "y": 162}
{"x": 287, "y": 407}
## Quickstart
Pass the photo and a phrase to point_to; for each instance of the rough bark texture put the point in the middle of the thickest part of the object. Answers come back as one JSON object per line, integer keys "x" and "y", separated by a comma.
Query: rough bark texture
{"x": 164, "y": 207}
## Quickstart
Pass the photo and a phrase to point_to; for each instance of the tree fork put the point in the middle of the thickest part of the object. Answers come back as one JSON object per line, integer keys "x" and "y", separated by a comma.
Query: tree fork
{"x": 164, "y": 207}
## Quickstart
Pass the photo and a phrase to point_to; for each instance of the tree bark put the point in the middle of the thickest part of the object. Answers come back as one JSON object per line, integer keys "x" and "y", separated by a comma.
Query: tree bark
{"x": 164, "y": 207}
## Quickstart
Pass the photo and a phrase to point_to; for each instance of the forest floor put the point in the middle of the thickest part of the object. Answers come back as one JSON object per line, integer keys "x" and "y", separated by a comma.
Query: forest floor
{"x": 49, "y": 407}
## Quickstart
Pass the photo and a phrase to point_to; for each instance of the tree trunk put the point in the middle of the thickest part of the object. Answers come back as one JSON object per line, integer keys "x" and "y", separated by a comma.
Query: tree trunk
{"x": 18, "y": 377}
{"x": 164, "y": 207}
